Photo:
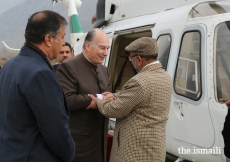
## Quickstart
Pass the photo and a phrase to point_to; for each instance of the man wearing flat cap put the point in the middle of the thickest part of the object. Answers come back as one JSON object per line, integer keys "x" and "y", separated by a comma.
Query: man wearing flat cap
{"x": 141, "y": 107}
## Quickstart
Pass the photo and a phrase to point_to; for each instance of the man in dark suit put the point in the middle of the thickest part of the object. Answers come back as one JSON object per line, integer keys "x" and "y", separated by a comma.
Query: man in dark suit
{"x": 80, "y": 76}
{"x": 65, "y": 53}
{"x": 34, "y": 122}
{"x": 226, "y": 133}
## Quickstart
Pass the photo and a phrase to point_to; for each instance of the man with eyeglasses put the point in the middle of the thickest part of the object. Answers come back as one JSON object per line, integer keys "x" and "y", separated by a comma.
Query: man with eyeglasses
{"x": 141, "y": 107}
{"x": 84, "y": 74}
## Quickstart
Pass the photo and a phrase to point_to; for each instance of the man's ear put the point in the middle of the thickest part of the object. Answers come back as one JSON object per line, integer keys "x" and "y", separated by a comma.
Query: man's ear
{"x": 48, "y": 40}
{"x": 87, "y": 46}
{"x": 139, "y": 60}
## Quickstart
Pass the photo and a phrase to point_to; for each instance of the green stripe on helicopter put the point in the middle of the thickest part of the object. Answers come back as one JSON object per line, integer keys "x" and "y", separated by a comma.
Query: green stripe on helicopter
{"x": 75, "y": 25}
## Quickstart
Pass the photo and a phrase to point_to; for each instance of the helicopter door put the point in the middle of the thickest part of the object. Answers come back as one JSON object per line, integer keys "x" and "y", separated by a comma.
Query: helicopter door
{"x": 190, "y": 115}
{"x": 110, "y": 36}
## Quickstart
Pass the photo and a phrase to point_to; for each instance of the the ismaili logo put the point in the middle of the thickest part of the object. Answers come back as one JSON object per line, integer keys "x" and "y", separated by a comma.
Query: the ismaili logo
{"x": 214, "y": 150}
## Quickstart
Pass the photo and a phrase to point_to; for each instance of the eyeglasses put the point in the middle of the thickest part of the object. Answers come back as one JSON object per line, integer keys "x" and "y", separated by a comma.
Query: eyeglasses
{"x": 130, "y": 57}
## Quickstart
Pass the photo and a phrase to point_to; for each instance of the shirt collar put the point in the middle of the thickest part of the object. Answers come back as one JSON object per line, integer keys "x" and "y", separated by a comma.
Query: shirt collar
{"x": 88, "y": 59}
{"x": 155, "y": 62}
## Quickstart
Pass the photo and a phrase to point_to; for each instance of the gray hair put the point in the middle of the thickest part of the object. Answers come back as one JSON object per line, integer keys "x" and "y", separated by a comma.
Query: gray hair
{"x": 90, "y": 36}
{"x": 42, "y": 23}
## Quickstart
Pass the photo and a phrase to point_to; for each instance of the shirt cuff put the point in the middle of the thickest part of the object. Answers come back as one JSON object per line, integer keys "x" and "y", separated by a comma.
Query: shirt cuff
{"x": 99, "y": 96}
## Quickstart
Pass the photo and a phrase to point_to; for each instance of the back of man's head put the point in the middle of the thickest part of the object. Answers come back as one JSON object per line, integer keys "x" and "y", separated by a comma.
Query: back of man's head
{"x": 145, "y": 47}
{"x": 42, "y": 23}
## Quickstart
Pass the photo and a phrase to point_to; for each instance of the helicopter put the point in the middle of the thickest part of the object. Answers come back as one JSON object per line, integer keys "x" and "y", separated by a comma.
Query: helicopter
{"x": 193, "y": 38}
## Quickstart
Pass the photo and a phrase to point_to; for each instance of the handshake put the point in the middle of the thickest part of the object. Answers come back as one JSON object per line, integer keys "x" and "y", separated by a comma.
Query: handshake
{"x": 106, "y": 96}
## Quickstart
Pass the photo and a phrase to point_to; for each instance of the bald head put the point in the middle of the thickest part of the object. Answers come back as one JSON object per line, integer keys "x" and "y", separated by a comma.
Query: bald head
{"x": 38, "y": 16}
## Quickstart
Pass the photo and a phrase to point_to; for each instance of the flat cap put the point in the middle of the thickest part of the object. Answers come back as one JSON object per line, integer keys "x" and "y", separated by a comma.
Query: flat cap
{"x": 144, "y": 46}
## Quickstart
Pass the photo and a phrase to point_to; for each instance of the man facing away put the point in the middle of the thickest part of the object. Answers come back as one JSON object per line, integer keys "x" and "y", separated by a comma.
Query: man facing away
{"x": 141, "y": 107}
{"x": 65, "y": 53}
{"x": 34, "y": 121}
{"x": 79, "y": 76}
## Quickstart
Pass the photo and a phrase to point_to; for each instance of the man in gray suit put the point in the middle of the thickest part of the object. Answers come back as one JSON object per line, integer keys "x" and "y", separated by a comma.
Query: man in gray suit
{"x": 34, "y": 121}
{"x": 79, "y": 76}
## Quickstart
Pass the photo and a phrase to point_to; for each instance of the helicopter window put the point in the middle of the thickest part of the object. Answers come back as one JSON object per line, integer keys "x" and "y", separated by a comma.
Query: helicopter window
{"x": 209, "y": 8}
{"x": 222, "y": 61}
{"x": 187, "y": 79}
{"x": 164, "y": 44}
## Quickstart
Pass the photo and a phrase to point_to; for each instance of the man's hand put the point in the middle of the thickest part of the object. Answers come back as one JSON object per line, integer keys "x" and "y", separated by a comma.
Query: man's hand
{"x": 108, "y": 96}
{"x": 228, "y": 103}
{"x": 93, "y": 104}
{"x": 227, "y": 160}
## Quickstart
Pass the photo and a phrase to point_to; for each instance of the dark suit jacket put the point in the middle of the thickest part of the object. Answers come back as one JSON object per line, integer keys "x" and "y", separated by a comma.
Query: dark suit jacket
{"x": 55, "y": 67}
{"x": 89, "y": 128}
{"x": 226, "y": 135}
{"x": 34, "y": 122}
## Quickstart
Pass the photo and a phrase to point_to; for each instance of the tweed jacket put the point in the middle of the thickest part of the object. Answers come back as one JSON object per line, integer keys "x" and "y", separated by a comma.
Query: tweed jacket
{"x": 141, "y": 109}
{"x": 89, "y": 128}
{"x": 55, "y": 67}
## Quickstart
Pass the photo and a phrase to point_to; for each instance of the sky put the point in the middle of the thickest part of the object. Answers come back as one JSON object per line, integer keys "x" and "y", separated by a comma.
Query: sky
{"x": 14, "y": 21}
{"x": 7, "y": 4}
